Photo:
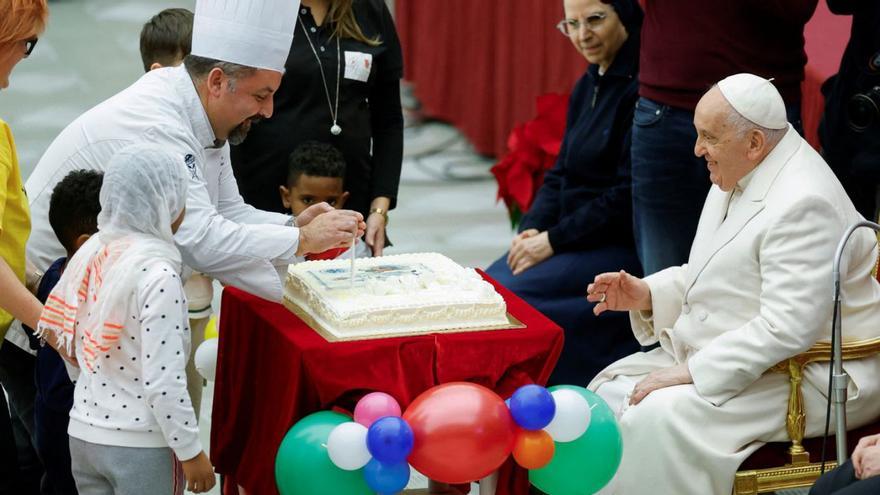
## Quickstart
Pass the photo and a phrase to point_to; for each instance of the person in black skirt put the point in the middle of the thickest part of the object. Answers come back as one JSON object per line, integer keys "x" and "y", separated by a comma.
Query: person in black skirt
{"x": 580, "y": 224}
{"x": 341, "y": 87}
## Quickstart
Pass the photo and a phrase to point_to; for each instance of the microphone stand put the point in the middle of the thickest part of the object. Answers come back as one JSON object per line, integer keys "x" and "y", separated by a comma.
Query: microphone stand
{"x": 839, "y": 379}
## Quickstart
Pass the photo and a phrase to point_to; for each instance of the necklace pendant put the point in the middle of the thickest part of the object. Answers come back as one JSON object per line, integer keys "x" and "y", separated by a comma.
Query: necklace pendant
{"x": 335, "y": 130}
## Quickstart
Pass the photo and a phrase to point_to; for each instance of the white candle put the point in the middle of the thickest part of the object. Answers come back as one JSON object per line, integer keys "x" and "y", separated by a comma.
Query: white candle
{"x": 353, "y": 241}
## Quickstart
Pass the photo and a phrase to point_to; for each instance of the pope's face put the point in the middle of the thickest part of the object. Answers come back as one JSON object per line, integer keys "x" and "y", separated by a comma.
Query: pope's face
{"x": 241, "y": 103}
{"x": 725, "y": 152}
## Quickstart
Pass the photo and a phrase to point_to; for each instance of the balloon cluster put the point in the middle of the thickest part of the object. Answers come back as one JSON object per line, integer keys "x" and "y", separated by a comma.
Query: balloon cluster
{"x": 455, "y": 433}
{"x": 378, "y": 440}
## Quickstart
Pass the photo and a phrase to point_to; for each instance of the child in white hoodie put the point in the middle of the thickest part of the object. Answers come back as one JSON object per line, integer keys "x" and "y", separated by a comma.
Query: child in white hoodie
{"x": 119, "y": 311}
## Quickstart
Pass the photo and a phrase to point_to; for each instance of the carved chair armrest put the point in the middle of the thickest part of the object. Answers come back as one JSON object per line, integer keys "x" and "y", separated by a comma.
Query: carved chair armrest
{"x": 795, "y": 420}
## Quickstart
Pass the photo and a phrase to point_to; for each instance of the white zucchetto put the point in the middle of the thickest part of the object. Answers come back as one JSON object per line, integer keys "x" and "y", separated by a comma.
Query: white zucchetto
{"x": 756, "y": 99}
{"x": 253, "y": 33}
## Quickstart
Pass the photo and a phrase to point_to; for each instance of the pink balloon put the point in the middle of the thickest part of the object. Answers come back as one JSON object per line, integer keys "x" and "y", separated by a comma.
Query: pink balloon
{"x": 373, "y": 406}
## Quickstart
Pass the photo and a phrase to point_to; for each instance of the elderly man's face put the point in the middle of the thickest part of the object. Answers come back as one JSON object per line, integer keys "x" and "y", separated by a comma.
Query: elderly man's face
{"x": 599, "y": 33}
{"x": 242, "y": 103}
{"x": 726, "y": 153}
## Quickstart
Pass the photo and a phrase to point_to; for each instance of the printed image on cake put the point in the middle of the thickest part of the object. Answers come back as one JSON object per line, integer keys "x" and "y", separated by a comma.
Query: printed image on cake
{"x": 403, "y": 294}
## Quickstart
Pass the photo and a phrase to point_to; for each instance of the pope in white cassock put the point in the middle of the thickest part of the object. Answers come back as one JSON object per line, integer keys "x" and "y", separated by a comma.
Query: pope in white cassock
{"x": 756, "y": 290}
{"x": 225, "y": 85}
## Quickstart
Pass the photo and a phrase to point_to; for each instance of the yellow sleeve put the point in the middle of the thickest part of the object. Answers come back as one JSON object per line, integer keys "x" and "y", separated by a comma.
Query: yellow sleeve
{"x": 8, "y": 158}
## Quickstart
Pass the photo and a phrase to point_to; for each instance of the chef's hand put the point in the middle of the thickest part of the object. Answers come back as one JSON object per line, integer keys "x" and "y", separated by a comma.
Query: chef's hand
{"x": 306, "y": 216}
{"x": 666, "y": 377}
{"x": 619, "y": 291}
{"x": 330, "y": 230}
{"x": 528, "y": 249}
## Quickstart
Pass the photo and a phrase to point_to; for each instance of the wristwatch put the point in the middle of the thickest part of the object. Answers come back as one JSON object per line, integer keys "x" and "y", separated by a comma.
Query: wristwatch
{"x": 382, "y": 212}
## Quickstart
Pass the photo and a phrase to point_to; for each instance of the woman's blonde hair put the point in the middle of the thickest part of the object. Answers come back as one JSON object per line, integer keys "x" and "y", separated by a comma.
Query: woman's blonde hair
{"x": 341, "y": 15}
{"x": 22, "y": 19}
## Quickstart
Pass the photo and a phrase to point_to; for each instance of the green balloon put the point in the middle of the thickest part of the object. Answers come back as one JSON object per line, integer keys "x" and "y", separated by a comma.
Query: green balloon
{"x": 302, "y": 466}
{"x": 585, "y": 465}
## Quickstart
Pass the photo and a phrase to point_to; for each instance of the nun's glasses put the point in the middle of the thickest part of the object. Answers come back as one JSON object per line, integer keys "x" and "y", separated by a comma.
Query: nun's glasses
{"x": 592, "y": 22}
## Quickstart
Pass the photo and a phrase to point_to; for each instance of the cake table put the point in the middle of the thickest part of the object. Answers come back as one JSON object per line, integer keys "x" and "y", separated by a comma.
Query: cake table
{"x": 273, "y": 370}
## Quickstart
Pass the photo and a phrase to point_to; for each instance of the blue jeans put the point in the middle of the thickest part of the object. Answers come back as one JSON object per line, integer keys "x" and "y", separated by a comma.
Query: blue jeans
{"x": 669, "y": 182}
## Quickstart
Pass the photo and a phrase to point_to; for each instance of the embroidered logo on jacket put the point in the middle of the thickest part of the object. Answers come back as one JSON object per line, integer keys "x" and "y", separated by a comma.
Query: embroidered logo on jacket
{"x": 190, "y": 161}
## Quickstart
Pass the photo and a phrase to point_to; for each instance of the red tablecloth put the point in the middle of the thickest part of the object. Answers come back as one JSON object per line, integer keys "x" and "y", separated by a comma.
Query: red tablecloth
{"x": 480, "y": 65}
{"x": 273, "y": 370}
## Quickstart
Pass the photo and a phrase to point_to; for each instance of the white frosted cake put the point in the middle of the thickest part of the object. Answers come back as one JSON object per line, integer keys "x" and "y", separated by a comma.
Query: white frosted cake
{"x": 404, "y": 294}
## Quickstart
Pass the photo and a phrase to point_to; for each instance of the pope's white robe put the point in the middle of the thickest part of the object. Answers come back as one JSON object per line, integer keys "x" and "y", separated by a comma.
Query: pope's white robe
{"x": 757, "y": 290}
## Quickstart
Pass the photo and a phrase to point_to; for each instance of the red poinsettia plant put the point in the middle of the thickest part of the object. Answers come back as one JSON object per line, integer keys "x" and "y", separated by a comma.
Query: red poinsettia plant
{"x": 533, "y": 147}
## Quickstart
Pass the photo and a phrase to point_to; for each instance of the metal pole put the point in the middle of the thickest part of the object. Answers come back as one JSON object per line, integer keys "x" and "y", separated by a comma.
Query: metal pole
{"x": 839, "y": 378}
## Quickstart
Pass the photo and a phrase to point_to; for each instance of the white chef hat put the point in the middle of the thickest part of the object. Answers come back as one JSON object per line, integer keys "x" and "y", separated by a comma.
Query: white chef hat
{"x": 756, "y": 99}
{"x": 253, "y": 33}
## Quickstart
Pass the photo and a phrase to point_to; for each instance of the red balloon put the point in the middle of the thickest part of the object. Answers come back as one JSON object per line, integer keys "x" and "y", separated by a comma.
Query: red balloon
{"x": 463, "y": 432}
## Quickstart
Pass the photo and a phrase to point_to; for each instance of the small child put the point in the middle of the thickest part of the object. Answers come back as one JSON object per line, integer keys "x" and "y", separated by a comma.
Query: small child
{"x": 315, "y": 174}
{"x": 120, "y": 313}
{"x": 166, "y": 39}
{"x": 73, "y": 215}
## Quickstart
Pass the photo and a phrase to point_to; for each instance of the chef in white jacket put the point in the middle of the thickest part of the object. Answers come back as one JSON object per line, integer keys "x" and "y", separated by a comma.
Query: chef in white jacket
{"x": 756, "y": 291}
{"x": 225, "y": 85}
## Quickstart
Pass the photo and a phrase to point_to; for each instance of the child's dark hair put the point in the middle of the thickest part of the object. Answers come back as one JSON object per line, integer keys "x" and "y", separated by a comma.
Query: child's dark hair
{"x": 74, "y": 206}
{"x": 315, "y": 159}
{"x": 167, "y": 37}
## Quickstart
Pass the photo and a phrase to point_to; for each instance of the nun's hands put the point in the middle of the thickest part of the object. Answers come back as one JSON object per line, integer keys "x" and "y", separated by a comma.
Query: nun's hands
{"x": 529, "y": 248}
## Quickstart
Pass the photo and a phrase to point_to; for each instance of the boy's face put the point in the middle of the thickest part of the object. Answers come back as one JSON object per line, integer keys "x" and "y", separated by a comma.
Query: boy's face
{"x": 310, "y": 189}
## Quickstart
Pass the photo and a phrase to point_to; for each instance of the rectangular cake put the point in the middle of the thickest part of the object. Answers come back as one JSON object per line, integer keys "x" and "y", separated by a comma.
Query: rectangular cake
{"x": 403, "y": 294}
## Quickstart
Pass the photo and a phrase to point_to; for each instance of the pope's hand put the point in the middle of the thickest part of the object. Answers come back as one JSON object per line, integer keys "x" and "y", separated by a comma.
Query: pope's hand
{"x": 330, "y": 230}
{"x": 866, "y": 457}
{"x": 306, "y": 216}
{"x": 619, "y": 291}
{"x": 667, "y": 377}
{"x": 528, "y": 249}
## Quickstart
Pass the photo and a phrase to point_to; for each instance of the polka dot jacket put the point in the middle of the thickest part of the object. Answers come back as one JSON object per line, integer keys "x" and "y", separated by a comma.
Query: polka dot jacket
{"x": 137, "y": 396}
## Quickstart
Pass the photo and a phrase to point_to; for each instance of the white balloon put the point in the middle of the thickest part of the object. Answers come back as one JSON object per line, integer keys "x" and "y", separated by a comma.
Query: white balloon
{"x": 347, "y": 446}
{"x": 206, "y": 359}
{"x": 572, "y": 416}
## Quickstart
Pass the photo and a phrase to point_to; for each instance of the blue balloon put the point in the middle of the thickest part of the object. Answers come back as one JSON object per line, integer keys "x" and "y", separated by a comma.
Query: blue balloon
{"x": 390, "y": 439}
{"x": 532, "y": 407}
{"x": 386, "y": 478}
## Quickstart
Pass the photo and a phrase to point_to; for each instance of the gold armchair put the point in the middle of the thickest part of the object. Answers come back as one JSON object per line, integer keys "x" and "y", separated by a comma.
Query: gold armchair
{"x": 798, "y": 470}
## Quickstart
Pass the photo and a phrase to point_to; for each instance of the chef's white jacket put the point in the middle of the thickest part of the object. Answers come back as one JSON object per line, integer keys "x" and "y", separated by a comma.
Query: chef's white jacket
{"x": 221, "y": 236}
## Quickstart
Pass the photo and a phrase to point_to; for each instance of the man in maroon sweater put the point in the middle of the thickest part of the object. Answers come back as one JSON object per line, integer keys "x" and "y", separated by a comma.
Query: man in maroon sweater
{"x": 686, "y": 46}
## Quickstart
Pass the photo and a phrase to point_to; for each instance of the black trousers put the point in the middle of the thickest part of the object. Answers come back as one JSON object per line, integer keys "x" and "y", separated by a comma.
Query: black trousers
{"x": 843, "y": 481}
{"x": 17, "y": 379}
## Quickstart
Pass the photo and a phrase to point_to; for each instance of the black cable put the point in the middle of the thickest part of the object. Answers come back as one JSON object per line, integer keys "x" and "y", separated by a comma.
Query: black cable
{"x": 830, "y": 379}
